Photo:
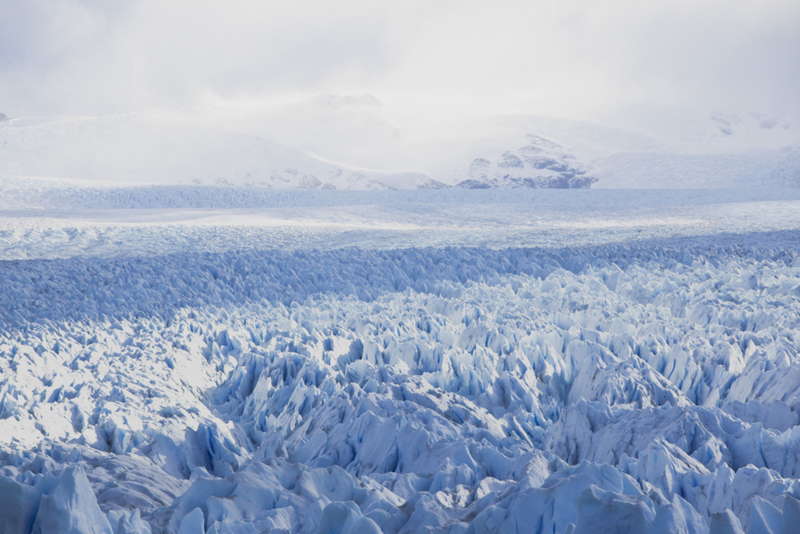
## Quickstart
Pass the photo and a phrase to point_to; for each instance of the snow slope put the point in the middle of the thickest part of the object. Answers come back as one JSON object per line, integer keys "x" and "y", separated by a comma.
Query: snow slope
{"x": 174, "y": 147}
{"x": 356, "y": 142}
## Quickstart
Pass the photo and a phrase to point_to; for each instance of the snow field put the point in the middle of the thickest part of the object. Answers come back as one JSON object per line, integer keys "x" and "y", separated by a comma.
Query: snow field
{"x": 85, "y": 223}
{"x": 419, "y": 390}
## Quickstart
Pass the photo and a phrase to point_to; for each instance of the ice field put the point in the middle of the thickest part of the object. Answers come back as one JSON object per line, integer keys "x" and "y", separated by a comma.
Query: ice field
{"x": 214, "y": 359}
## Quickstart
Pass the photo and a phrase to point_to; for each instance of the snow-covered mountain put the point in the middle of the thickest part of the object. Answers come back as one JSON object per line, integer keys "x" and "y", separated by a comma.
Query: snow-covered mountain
{"x": 353, "y": 143}
{"x": 174, "y": 148}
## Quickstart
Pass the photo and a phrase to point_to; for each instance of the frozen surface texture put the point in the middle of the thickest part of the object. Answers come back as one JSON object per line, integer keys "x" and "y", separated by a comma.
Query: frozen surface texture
{"x": 619, "y": 385}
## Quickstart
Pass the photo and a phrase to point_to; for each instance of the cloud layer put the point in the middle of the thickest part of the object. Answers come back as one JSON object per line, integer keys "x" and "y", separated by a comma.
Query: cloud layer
{"x": 91, "y": 57}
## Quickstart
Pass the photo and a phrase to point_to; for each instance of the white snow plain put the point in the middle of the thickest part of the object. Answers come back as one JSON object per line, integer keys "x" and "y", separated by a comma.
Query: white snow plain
{"x": 228, "y": 360}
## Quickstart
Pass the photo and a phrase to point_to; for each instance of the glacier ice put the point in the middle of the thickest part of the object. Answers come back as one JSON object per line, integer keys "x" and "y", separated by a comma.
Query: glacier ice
{"x": 642, "y": 387}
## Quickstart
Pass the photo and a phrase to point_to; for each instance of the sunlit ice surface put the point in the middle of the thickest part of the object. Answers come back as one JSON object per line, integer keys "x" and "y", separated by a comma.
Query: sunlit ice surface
{"x": 392, "y": 361}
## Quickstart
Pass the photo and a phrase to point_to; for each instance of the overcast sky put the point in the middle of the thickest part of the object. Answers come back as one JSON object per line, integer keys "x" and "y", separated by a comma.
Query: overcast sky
{"x": 94, "y": 56}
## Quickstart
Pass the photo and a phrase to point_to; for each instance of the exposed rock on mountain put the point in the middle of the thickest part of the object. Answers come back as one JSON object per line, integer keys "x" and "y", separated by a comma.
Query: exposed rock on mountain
{"x": 540, "y": 164}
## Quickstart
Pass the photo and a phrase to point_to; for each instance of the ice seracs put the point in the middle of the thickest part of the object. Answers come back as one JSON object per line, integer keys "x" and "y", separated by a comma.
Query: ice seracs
{"x": 451, "y": 390}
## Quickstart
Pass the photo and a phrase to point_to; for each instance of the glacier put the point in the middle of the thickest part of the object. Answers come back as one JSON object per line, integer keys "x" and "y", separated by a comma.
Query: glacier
{"x": 312, "y": 367}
